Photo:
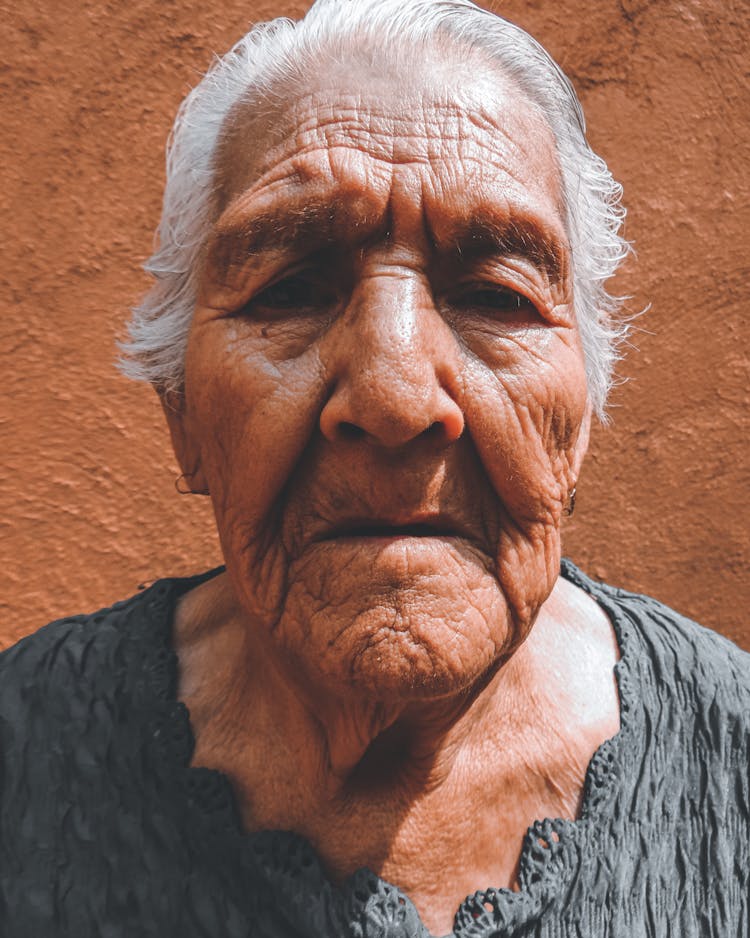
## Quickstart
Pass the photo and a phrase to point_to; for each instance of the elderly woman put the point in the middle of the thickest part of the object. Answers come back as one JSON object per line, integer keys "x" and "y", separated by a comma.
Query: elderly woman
{"x": 379, "y": 332}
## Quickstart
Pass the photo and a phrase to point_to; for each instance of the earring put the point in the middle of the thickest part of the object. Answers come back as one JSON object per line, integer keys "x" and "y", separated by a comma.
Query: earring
{"x": 570, "y": 504}
{"x": 188, "y": 490}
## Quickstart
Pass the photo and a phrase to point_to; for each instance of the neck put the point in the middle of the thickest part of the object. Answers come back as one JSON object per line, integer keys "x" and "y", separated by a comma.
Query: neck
{"x": 229, "y": 670}
{"x": 369, "y": 783}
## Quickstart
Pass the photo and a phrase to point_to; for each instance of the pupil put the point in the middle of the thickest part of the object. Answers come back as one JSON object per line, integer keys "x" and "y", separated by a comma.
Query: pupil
{"x": 287, "y": 293}
{"x": 498, "y": 299}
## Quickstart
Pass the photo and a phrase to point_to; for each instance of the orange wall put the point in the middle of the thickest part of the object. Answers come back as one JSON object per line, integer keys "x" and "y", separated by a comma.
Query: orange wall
{"x": 88, "y": 508}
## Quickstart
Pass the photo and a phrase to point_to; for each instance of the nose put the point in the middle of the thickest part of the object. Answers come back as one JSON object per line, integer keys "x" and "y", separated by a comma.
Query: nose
{"x": 394, "y": 367}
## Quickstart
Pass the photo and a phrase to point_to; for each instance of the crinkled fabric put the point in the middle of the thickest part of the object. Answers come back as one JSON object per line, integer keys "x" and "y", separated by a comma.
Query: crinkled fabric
{"x": 107, "y": 832}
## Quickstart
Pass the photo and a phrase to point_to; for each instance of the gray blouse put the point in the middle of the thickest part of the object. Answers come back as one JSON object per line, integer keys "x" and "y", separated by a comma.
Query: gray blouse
{"x": 106, "y": 832}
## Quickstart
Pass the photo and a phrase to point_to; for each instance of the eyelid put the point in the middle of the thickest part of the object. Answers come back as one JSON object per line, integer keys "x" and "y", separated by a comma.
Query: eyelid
{"x": 514, "y": 272}
{"x": 494, "y": 285}
{"x": 490, "y": 285}
{"x": 522, "y": 276}
{"x": 532, "y": 310}
{"x": 286, "y": 274}
{"x": 233, "y": 290}
{"x": 311, "y": 295}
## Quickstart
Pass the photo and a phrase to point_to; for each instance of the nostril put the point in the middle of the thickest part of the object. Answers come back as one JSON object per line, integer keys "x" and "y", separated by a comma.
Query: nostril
{"x": 444, "y": 430}
{"x": 350, "y": 431}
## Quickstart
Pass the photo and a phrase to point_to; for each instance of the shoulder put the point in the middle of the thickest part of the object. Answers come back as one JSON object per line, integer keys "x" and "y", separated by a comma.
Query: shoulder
{"x": 685, "y": 705}
{"x": 88, "y": 670}
{"x": 689, "y": 685}
{"x": 678, "y": 649}
{"x": 90, "y": 738}
{"x": 67, "y": 690}
{"x": 79, "y": 655}
{"x": 101, "y": 651}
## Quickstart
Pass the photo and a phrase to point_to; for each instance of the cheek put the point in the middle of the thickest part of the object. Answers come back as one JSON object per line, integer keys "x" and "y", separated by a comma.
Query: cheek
{"x": 253, "y": 413}
{"x": 525, "y": 405}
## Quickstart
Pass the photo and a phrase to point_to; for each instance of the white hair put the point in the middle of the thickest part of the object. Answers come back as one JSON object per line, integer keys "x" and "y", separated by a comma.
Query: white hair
{"x": 284, "y": 50}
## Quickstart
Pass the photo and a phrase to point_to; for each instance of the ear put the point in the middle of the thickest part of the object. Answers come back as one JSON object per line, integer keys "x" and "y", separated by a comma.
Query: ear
{"x": 184, "y": 442}
{"x": 582, "y": 443}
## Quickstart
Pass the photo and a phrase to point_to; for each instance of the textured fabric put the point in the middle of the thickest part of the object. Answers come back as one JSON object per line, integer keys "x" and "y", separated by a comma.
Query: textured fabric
{"x": 106, "y": 833}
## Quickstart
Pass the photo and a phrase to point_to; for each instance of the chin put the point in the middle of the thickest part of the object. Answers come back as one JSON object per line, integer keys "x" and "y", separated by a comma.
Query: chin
{"x": 431, "y": 637}
{"x": 407, "y": 666}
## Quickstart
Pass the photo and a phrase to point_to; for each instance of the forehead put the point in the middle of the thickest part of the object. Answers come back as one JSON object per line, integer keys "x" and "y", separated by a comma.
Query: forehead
{"x": 440, "y": 139}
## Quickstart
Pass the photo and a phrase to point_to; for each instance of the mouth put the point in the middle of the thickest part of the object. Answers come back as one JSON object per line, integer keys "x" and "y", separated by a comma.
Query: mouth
{"x": 384, "y": 530}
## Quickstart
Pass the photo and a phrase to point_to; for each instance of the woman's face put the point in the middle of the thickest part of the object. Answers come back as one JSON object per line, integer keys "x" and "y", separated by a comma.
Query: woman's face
{"x": 385, "y": 390}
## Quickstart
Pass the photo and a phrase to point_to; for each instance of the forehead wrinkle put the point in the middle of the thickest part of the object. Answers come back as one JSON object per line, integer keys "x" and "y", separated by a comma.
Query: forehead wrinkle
{"x": 353, "y": 148}
{"x": 364, "y": 123}
{"x": 390, "y": 137}
{"x": 421, "y": 125}
{"x": 345, "y": 206}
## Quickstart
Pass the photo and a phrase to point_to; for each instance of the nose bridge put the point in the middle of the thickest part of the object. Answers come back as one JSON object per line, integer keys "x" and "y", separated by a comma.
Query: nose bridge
{"x": 395, "y": 355}
{"x": 391, "y": 319}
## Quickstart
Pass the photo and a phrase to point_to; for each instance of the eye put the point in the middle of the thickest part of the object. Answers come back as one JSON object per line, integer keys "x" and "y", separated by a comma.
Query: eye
{"x": 301, "y": 293}
{"x": 496, "y": 300}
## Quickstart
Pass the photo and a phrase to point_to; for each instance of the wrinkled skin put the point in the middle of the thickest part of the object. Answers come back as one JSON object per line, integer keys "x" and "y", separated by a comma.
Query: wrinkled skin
{"x": 385, "y": 396}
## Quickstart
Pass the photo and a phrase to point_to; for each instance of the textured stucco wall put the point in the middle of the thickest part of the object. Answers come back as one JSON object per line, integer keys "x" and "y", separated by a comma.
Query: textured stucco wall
{"x": 88, "y": 93}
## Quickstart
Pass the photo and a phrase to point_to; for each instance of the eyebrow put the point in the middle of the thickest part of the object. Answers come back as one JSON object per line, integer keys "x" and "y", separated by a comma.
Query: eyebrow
{"x": 517, "y": 235}
{"x": 289, "y": 227}
{"x": 317, "y": 224}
